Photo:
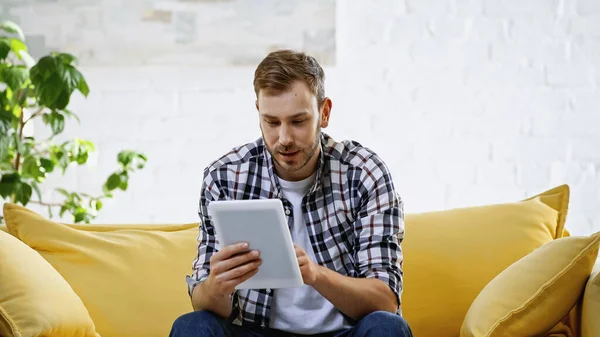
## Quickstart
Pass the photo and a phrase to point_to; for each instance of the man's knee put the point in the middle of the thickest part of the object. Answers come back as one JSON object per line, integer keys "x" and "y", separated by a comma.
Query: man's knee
{"x": 383, "y": 323}
{"x": 197, "y": 323}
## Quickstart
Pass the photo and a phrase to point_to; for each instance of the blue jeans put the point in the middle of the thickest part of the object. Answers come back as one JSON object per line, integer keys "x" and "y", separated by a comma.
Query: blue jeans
{"x": 204, "y": 323}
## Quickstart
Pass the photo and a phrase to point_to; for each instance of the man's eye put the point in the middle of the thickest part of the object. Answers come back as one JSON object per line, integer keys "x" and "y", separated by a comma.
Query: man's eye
{"x": 271, "y": 122}
{"x": 298, "y": 122}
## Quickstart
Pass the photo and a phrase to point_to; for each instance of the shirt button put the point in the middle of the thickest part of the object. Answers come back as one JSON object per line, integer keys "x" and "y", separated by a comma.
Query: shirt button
{"x": 268, "y": 290}
{"x": 287, "y": 211}
{"x": 262, "y": 325}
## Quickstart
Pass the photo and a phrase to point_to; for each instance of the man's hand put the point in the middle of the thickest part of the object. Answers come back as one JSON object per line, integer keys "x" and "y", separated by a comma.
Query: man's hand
{"x": 309, "y": 269}
{"x": 229, "y": 267}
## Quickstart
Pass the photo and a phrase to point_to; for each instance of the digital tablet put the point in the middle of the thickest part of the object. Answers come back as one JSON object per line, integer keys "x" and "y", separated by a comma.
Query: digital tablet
{"x": 261, "y": 223}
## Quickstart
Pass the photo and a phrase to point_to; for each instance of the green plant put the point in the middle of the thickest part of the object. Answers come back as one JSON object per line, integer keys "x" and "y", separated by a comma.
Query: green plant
{"x": 43, "y": 89}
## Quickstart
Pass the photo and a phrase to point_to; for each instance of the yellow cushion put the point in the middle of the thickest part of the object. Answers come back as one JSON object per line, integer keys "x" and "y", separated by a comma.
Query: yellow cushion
{"x": 559, "y": 330}
{"x": 130, "y": 278}
{"x": 449, "y": 256}
{"x": 590, "y": 324}
{"x": 534, "y": 293}
{"x": 34, "y": 299}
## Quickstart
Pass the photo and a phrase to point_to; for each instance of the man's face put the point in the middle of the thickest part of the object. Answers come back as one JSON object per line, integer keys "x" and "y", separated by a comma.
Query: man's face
{"x": 291, "y": 125}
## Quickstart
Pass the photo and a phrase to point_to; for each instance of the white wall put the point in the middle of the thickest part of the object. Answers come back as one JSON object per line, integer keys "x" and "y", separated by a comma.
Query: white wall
{"x": 468, "y": 101}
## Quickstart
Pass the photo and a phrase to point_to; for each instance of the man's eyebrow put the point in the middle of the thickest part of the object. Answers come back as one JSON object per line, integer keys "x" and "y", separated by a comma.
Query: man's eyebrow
{"x": 299, "y": 114}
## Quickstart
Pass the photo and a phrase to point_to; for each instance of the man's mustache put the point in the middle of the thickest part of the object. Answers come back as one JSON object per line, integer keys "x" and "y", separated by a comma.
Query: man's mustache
{"x": 287, "y": 149}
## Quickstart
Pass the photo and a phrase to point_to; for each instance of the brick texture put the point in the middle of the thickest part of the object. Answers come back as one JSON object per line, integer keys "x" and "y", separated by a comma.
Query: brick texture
{"x": 468, "y": 101}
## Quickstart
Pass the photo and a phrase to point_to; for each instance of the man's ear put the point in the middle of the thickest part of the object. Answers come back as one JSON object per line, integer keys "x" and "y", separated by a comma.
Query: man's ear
{"x": 256, "y": 104}
{"x": 325, "y": 112}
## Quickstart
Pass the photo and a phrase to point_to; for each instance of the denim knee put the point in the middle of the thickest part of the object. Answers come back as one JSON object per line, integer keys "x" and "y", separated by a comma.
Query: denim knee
{"x": 384, "y": 323}
{"x": 197, "y": 323}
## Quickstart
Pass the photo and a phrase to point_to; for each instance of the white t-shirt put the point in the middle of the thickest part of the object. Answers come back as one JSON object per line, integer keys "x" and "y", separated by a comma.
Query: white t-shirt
{"x": 302, "y": 310}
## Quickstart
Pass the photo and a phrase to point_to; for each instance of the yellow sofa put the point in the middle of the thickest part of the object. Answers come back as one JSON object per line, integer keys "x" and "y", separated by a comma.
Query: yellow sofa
{"x": 508, "y": 269}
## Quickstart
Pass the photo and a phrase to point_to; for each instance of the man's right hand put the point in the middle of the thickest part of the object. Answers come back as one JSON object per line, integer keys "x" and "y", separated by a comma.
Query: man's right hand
{"x": 229, "y": 267}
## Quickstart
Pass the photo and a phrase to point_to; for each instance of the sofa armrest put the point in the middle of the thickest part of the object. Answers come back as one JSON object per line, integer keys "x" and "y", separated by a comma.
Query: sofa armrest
{"x": 590, "y": 310}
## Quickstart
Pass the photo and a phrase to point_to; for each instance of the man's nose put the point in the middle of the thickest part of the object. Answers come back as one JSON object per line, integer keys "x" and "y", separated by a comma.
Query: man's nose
{"x": 285, "y": 137}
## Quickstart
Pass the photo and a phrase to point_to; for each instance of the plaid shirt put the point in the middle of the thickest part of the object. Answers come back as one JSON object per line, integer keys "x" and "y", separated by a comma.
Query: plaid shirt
{"x": 353, "y": 215}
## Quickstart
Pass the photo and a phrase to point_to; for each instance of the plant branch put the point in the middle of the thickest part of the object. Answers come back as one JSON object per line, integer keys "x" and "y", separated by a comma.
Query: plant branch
{"x": 37, "y": 113}
{"x": 51, "y": 204}
{"x": 21, "y": 124}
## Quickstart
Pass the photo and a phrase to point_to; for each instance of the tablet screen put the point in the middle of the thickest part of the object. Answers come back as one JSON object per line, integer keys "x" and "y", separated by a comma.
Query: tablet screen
{"x": 263, "y": 225}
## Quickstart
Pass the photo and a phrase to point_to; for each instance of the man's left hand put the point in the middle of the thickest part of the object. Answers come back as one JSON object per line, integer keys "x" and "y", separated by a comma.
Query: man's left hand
{"x": 309, "y": 269}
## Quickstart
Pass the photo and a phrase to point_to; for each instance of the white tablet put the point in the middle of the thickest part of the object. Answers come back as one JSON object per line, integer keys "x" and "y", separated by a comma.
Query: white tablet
{"x": 261, "y": 223}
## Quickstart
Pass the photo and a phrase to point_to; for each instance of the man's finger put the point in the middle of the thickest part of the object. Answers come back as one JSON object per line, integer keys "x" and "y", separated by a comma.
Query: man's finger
{"x": 239, "y": 271}
{"x": 233, "y": 283}
{"x": 235, "y": 261}
{"x": 238, "y": 260}
{"x": 302, "y": 260}
{"x": 231, "y": 250}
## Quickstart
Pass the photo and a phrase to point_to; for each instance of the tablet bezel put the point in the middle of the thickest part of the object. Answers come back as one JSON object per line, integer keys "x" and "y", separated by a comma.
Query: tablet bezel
{"x": 258, "y": 281}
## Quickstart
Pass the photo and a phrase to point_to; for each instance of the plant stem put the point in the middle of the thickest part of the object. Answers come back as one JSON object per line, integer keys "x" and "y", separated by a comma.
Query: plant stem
{"x": 37, "y": 113}
{"x": 51, "y": 204}
{"x": 21, "y": 125}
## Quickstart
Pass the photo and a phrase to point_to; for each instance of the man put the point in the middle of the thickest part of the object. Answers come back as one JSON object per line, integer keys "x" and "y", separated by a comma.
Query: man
{"x": 344, "y": 215}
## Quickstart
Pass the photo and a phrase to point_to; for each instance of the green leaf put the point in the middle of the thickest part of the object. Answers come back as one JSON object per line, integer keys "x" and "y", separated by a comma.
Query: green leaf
{"x": 36, "y": 188}
{"x": 77, "y": 81}
{"x": 56, "y": 121}
{"x": 63, "y": 192}
{"x": 22, "y": 93}
{"x": 82, "y": 158}
{"x": 125, "y": 157}
{"x": 46, "y": 66}
{"x": 5, "y": 117}
{"x": 87, "y": 145}
{"x": 98, "y": 205}
{"x": 36, "y": 76}
{"x": 8, "y": 182}
{"x": 124, "y": 181}
{"x": 47, "y": 165}
{"x": 11, "y": 27}
{"x": 5, "y": 128}
{"x": 69, "y": 113}
{"x": 63, "y": 209}
{"x": 58, "y": 156}
{"x": 4, "y": 47}
{"x": 18, "y": 144}
{"x": 59, "y": 124}
{"x": 31, "y": 168}
{"x": 66, "y": 58}
{"x": 4, "y": 143}
{"x": 23, "y": 193}
{"x": 17, "y": 46}
{"x": 79, "y": 217}
{"x": 27, "y": 59}
{"x": 83, "y": 87}
{"x": 113, "y": 181}
{"x": 62, "y": 100}
{"x": 14, "y": 76}
{"x": 143, "y": 159}
{"x": 50, "y": 89}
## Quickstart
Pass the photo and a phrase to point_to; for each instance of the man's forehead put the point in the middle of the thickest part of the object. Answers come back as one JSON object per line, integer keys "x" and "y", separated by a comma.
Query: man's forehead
{"x": 288, "y": 104}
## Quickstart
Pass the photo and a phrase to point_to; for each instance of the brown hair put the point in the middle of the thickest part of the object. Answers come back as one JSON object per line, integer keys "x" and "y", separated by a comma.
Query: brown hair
{"x": 278, "y": 70}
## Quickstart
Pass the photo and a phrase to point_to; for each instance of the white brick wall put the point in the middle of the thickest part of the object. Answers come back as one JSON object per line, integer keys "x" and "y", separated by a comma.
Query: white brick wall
{"x": 468, "y": 101}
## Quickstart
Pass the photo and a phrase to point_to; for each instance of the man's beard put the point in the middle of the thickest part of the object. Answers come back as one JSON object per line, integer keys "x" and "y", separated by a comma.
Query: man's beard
{"x": 305, "y": 154}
